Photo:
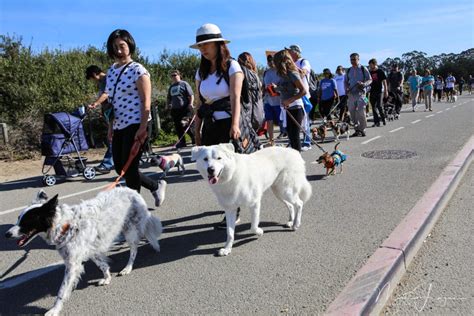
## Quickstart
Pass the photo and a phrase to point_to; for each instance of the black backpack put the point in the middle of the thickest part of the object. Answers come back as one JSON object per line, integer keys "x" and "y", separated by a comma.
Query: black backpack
{"x": 248, "y": 142}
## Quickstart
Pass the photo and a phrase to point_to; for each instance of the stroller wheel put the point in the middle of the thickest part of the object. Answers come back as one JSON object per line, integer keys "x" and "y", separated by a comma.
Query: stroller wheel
{"x": 89, "y": 173}
{"x": 49, "y": 180}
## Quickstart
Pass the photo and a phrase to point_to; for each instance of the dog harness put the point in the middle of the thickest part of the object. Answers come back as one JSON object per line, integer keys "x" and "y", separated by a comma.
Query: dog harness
{"x": 165, "y": 160}
{"x": 339, "y": 157}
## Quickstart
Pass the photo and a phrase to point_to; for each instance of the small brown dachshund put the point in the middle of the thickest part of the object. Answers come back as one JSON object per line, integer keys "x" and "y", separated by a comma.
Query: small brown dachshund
{"x": 331, "y": 161}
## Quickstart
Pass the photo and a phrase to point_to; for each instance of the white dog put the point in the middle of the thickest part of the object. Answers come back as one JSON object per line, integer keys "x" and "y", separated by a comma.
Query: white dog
{"x": 86, "y": 231}
{"x": 167, "y": 162}
{"x": 240, "y": 180}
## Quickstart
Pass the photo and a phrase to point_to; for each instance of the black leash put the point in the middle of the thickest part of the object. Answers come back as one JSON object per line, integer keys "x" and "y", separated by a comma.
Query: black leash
{"x": 304, "y": 132}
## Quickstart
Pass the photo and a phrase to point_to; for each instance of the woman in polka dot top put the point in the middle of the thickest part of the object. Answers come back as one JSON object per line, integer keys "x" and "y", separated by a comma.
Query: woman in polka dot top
{"x": 131, "y": 98}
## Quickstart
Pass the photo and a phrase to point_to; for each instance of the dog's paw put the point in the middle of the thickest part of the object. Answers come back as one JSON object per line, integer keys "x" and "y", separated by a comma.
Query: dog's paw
{"x": 125, "y": 271}
{"x": 258, "y": 231}
{"x": 289, "y": 224}
{"x": 104, "y": 282}
{"x": 223, "y": 252}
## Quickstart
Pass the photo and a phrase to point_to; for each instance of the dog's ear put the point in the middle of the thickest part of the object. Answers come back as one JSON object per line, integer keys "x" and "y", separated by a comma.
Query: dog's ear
{"x": 51, "y": 205}
{"x": 40, "y": 197}
{"x": 196, "y": 152}
{"x": 227, "y": 147}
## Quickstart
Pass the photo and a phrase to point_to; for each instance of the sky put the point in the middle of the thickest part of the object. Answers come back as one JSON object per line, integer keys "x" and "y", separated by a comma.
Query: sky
{"x": 327, "y": 31}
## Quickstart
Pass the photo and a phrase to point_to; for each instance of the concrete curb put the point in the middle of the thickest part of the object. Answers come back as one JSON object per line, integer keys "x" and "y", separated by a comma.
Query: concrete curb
{"x": 370, "y": 289}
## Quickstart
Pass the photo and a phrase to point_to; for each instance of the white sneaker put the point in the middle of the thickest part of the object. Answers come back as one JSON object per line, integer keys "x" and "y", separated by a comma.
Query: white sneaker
{"x": 305, "y": 148}
{"x": 159, "y": 194}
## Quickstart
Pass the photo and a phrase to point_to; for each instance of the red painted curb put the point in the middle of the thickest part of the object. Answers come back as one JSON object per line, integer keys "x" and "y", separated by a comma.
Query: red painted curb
{"x": 370, "y": 289}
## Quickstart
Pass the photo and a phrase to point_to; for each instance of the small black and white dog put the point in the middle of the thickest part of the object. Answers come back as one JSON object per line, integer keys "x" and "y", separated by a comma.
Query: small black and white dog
{"x": 87, "y": 231}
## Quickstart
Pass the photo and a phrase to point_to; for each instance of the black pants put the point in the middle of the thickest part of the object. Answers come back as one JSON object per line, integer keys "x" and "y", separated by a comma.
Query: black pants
{"x": 460, "y": 89}
{"x": 178, "y": 115}
{"x": 216, "y": 132}
{"x": 122, "y": 143}
{"x": 293, "y": 130}
{"x": 438, "y": 93}
{"x": 325, "y": 107}
{"x": 397, "y": 100}
{"x": 376, "y": 102}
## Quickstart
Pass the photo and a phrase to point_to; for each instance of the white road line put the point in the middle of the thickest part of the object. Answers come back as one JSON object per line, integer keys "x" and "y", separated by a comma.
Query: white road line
{"x": 22, "y": 278}
{"x": 414, "y": 122}
{"x": 448, "y": 109}
{"x": 368, "y": 141}
{"x": 397, "y": 129}
{"x": 431, "y": 115}
{"x": 439, "y": 112}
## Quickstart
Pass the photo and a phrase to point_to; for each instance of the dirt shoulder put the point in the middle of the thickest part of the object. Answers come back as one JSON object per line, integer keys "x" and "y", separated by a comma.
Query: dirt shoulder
{"x": 22, "y": 169}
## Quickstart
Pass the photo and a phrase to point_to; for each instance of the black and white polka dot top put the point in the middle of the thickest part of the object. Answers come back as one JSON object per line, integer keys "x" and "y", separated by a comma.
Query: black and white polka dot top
{"x": 127, "y": 102}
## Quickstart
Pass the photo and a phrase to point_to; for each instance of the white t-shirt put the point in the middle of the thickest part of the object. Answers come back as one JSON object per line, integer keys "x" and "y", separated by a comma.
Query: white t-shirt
{"x": 127, "y": 102}
{"x": 341, "y": 90}
{"x": 211, "y": 91}
{"x": 304, "y": 64}
{"x": 450, "y": 82}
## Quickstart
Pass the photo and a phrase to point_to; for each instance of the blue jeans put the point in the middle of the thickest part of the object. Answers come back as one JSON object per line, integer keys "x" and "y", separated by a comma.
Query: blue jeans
{"x": 307, "y": 107}
{"x": 108, "y": 160}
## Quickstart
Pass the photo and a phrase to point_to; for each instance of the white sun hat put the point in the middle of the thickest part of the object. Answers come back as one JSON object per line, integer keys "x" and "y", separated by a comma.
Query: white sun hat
{"x": 208, "y": 33}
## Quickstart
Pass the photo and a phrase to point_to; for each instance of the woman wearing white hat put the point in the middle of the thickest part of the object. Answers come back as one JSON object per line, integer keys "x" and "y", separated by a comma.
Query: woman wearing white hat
{"x": 218, "y": 84}
{"x": 219, "y": 112}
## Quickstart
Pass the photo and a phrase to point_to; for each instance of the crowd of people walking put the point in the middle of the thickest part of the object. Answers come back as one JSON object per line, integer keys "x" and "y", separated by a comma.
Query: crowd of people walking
{"x": 233, "y": 104}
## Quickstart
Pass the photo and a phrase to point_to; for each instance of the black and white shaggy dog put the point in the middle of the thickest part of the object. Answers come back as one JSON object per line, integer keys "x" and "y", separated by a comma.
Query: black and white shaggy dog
{"x": 86, "y": 231}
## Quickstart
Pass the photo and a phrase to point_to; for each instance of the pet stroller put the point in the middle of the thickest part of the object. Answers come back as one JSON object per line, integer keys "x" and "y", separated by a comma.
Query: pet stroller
{"x": 63, "y": 134}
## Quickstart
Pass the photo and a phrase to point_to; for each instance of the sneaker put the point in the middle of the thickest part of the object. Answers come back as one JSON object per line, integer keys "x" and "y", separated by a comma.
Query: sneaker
{"x": 159, "y": 194}
{"x": 356, "y": 133}
{"x": 282, "y": 135}
{"x": 362, "y": 134}
{"x": 102, "y": 169}
{"x": 223, "y": 223}
{"x": 305, "y": 148}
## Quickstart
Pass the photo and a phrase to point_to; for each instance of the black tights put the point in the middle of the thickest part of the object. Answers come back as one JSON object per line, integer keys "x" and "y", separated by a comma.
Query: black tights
{"x": 292, "y": 129}
{"x": 122, "y": 143}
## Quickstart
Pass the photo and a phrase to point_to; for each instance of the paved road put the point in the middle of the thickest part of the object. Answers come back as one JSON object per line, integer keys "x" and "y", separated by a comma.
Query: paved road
{"x": 346, "y": 220}
{"x": 440, "y": 279}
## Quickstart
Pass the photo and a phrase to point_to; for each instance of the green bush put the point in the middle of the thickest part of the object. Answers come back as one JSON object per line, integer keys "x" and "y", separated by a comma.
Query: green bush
{"x": 32, "y": 84}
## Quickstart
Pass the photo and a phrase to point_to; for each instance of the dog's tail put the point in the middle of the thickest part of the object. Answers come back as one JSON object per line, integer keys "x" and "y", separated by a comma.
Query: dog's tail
{"x": 153, "y": 230}
{"x": 306, "y": 191}
{"x": 335, "y": 147}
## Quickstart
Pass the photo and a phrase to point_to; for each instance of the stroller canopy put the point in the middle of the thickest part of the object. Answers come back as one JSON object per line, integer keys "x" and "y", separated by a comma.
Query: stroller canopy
{"x": 60, "y": 130}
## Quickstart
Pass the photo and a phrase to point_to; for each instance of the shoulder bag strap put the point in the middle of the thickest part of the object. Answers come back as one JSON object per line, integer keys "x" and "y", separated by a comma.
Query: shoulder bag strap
{"x": 118, "y": 80}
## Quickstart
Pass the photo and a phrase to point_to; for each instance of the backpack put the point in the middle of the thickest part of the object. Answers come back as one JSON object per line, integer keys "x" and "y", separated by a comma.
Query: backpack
{"x": 313, "y": 82}
{"x": 362, "y": 68}
{"x": 251, "y": 107}
{"x": 251, "y": 96}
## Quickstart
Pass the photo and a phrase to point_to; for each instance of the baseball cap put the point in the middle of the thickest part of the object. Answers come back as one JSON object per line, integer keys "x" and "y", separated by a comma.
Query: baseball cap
{"x": 294, "y": 48}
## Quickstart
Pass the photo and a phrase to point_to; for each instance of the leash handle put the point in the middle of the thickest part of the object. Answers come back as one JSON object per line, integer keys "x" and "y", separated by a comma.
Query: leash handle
{"x": 302, "y": 129}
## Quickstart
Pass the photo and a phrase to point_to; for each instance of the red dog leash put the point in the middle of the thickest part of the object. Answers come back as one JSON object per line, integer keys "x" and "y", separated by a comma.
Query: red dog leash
{"x": 133, "y": 153}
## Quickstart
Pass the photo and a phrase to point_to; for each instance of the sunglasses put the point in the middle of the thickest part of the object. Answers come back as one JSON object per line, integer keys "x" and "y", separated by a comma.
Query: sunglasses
{"x": 174, "y": 75}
